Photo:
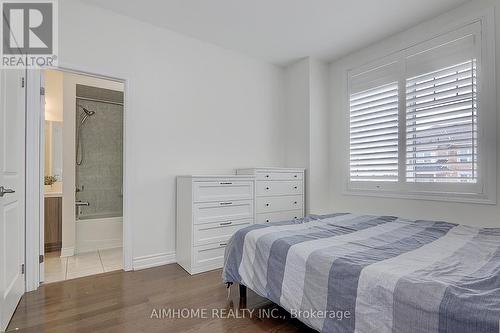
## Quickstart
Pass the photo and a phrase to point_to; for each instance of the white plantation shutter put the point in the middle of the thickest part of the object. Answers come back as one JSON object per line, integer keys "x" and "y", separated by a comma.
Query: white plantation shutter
{"x": 374, "y": 134}
{"x": 422, "y": 121}
{"x": 441, "y": 125}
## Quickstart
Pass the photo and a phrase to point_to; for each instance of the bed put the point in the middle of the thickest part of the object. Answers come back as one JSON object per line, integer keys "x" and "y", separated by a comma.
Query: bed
{"x": 361, "y": 273}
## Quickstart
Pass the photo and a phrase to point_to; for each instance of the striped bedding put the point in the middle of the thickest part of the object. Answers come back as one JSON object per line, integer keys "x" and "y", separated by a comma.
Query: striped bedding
{"x": 390, "y": 274}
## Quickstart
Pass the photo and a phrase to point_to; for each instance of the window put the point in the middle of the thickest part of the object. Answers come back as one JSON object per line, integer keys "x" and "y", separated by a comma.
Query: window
{"x": 416, "y": 120}
{"x": 441, "y": 123}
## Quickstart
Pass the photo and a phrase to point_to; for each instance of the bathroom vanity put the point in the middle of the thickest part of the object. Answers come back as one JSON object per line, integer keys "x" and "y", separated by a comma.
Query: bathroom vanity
{"x": 53, "y": 221}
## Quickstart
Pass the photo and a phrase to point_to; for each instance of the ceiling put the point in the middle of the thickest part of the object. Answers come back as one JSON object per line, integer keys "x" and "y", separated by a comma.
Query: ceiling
{"x": 281, "y": 31}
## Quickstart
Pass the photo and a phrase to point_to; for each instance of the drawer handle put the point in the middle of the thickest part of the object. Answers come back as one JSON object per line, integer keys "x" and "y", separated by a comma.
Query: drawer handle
{"x": 226, "y": 183}
{"x": 267, "y": 188}
{"x": 295, "y": 187}
{"x": 295, "y": 176}
{"x": 226, "y": 223}
{"x": 225, "y": 203}
{"x": 267, "y": 176}
{"x": 222, "y": 244}
{"x": 267, "y": 205}
{"x": 295, "y": 202}
{"x": 267, "y": 221}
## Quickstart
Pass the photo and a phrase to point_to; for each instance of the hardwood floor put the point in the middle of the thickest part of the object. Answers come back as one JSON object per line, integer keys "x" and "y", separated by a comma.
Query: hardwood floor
{"x": 132, "y": 302}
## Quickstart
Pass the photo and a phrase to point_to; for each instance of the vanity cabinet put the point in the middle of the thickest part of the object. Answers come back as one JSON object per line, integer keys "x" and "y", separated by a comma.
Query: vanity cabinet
{"x": 53, "y": 224}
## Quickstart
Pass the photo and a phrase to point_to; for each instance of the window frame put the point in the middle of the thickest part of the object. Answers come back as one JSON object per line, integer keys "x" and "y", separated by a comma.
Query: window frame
{"x": 484, "y": 191}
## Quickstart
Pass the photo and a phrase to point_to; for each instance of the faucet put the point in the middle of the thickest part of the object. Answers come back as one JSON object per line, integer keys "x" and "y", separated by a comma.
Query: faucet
{"x": 78, "y": 205}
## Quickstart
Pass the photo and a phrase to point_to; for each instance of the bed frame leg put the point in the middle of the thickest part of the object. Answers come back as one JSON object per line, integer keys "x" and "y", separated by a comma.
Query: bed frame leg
{"x": 243, "y": 297}
{"x": 243, "y": 291}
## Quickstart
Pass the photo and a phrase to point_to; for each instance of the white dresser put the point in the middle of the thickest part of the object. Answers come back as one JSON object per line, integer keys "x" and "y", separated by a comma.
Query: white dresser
{"x": 209, "y": 210}
{"x": 279, "y": 193}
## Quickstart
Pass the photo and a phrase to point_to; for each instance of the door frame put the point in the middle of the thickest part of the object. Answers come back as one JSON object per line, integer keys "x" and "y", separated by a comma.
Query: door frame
{"x": 35, "y": 123}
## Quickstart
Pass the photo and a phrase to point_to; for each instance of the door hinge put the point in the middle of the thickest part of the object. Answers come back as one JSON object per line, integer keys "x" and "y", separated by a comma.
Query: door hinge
{"x": 42, "y": 91}
{"x": 22, "y": 269}
{"x": 41, "y": 258}
{"x": 22, "y": 82}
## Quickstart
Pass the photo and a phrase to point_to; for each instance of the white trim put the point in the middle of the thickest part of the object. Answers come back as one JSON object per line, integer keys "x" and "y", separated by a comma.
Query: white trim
{"x": 34, "y": 178}
{"x": 154, "y": 260}
{"x": 489, "y": 102}
{"x": 67, "y": 252}
{"x": 431, "y": 196}
{"x": 33, "y": 146}
{"x": 41, "y": 226}
{"x": 128, "y": 161}
{"x": 421, "y": 36}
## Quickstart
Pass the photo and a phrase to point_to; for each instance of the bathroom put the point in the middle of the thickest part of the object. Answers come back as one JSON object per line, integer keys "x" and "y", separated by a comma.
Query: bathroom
{"x": 83, "y": 169}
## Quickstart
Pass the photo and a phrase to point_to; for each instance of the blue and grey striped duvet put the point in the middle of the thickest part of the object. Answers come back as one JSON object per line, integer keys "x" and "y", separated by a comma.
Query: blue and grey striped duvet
{"x": 390, "y": 274}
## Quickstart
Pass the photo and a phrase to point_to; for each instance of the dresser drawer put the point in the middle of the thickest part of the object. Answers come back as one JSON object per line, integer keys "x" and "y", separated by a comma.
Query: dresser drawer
{"x": 210, "y": 233}
{"x": 285, "y": 187}
{"x": 276, "y": 204}
{"x": 222, "y": 190}
{"x": 279, "y": 175}
{"x": 279, "y": 216}
{"x": 211, "y": 255}
{"x": 222, "y": 211}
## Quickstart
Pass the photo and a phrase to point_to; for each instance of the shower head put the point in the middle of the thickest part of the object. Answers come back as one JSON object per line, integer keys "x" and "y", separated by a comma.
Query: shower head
{"x": 86, "y": 114}
{"x": 87, "y": 111}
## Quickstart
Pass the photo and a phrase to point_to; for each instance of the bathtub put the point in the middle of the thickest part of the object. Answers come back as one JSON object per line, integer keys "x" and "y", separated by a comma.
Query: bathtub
{"x": 98, "y": 232}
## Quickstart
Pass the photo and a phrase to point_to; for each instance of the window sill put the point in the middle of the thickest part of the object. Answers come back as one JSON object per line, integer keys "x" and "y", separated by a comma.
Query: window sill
{"x": 427, "y": 196}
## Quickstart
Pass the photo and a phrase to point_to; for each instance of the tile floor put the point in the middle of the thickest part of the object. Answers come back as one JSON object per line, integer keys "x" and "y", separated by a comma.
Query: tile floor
{"x": 83, "y": 264}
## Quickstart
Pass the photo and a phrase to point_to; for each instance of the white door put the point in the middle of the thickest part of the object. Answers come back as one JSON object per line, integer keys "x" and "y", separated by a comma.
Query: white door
{"x": 12, "y": 191}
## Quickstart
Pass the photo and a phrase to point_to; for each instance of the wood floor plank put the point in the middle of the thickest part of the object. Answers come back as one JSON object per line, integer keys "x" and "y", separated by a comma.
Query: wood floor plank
{"x": 124, "y": 302}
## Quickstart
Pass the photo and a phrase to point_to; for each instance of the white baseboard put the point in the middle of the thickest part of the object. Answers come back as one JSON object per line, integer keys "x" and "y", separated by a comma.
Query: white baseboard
{"x": 67, "y": 251}
{"x": 154, "y": 260}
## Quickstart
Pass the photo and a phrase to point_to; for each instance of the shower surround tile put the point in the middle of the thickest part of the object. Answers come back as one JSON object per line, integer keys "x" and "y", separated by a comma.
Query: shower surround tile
{"x": 101, "y": 173}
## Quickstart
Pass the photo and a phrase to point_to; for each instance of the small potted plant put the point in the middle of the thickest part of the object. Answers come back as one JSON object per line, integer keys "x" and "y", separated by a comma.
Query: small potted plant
{"x": 49, "y": 181}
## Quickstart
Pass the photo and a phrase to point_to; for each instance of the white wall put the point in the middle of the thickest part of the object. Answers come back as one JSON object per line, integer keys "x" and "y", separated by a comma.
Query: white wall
{"x": 297, "y": 104}
{"x": 318, "y": 182}
{"x": 53, "y": 95}
{"x": 53, "y": 112}
{"x": 192, "y": 108}
{"x": 306, "y": 101}
{"x": 474, "y": 214}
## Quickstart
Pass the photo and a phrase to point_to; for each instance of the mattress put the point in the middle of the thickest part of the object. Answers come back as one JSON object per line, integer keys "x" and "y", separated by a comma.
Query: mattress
{"x": 361, "y": 273}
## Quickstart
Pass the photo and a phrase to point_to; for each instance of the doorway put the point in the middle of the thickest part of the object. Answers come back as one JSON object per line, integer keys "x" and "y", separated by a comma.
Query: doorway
{"x": 83, "y": 167}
